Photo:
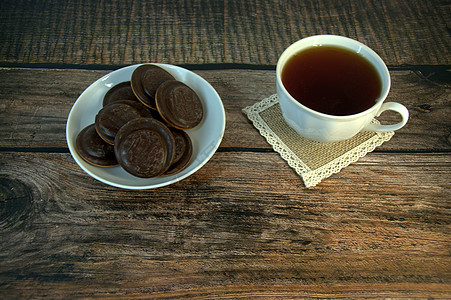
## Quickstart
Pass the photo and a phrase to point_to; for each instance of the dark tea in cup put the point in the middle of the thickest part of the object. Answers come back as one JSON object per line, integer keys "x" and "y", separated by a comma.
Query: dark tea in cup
{"x": 332, "y": 80}
{"x": 332, "y": 87}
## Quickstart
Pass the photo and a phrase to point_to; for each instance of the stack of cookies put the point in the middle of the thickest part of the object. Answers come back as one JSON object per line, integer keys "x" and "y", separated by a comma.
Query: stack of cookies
{"x": 142, "y": 124}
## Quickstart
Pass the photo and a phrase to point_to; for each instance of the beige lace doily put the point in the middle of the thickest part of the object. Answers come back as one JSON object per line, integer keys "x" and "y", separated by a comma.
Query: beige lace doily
{"x": 312, "y": 160}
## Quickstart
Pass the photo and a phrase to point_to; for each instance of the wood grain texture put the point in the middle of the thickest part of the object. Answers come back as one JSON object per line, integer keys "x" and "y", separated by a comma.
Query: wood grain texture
{"x": 197, "y": 32}
{"x": 244, "y": 225}
{"x": 379, "y": 227}
{"x": 34, "y": 105}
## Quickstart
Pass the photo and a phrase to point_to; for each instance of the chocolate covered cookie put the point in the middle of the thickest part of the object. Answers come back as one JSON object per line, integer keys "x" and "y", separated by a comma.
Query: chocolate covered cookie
{"x": 144, "y": 111}
{"x": 183, "y": 151}
{"x": 179, "y": 105}
{"x": 144, "y": 147}
{"x": 145, "y": 81}
{"x": 94, "y": 149}
{"x": 121, "y": 91}
{"x": 112, "y": 117}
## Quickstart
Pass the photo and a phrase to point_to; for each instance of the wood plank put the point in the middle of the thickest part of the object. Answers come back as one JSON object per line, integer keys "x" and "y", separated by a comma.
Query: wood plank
{"x": 34, "y": 105}
{"x": 298, "y": 291}
{"x": 380, "y": 227}
{"x": 252, "y": 32}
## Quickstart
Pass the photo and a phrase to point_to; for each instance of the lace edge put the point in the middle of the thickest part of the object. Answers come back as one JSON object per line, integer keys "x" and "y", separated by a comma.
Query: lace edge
{"x": 252, "y": 112}
{"x": 261, "y": 105}
{"x": 314, "y": 177}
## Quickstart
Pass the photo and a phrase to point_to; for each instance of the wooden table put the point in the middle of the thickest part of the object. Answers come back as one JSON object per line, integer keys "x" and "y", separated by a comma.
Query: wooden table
{"x": 244, "y": 225}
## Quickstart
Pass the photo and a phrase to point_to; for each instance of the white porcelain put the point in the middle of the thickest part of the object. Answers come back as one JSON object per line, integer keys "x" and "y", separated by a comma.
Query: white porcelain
{"x": 206, "y": 137}
{"x": 328, "y": 128}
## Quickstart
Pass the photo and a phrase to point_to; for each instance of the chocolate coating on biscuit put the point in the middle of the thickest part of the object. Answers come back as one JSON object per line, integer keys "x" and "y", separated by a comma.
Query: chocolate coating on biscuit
{"x": 179, "y": 105}
{"x": 144, "y": 111}
{"x": 145, "y": 81}
{"x": 121, "y": 91}
{"x": 112, "y": 117}
{"x": 183, "y": 151}
{"x": 93, "y": 149}
{"x": 144, "y": 147}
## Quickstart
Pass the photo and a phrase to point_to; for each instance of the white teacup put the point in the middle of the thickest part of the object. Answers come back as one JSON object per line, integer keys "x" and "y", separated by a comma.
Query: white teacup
{"x": 330, "y": 128}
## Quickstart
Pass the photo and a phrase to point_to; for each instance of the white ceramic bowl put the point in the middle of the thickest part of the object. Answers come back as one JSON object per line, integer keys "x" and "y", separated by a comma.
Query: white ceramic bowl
{"x": 206, "y": 137}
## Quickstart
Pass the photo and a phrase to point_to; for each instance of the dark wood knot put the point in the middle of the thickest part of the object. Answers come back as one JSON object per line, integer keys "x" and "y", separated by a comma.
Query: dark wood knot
{"x": 425, "y": 107}
{"x": 15, "y": 202}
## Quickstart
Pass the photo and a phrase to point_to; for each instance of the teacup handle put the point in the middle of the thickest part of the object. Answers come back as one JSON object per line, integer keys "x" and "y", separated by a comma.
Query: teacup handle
{"x": 399, "y": 108}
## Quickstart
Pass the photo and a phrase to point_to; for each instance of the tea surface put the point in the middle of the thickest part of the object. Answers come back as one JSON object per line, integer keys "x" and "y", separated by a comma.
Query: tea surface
{"x": 332, "y": 80}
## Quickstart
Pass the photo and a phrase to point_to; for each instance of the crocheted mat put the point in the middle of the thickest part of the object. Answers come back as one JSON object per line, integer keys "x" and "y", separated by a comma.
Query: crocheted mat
{"x": 313, "y": 161}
